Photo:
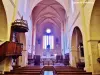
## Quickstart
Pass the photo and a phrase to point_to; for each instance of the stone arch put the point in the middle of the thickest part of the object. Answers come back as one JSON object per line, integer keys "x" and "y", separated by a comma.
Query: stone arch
{"x": 36, "y": 2}
{"x": 95, "y": 21}
{"x": 94, "y": 42}
{"x": 3, "y": 23}
{"x": 77, "y": 50}
{"x": 42, "y": 14}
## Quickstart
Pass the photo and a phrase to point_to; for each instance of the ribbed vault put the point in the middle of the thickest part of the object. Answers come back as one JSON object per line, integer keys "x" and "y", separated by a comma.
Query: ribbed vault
{"x": 48, "y": 14}
{"x": 49, "y": 11}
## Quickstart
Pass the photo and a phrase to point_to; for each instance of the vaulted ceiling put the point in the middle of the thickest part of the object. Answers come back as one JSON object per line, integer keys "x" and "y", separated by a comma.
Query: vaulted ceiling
{"x": 49, "y": 11}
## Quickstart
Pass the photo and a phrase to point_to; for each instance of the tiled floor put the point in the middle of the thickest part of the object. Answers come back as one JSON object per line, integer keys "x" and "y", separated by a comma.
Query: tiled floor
{"x": 48, "y": 72}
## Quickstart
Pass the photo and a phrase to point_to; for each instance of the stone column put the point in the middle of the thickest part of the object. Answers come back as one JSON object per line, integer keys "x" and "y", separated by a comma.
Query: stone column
{"x": 19, "y": 60}
{"x": 62, "y": 41}
{"x": 6, "y": 65}
{"x": 74, "y": 57}
{"x": 94, "y": 54}
{"x": 24, "y": 58}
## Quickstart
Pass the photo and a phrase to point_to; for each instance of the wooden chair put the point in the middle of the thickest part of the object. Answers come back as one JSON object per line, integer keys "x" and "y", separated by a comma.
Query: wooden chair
{"x": 59, "y": 59}
{"x": 36, "y": 59}
{"x": 66, "y": 59}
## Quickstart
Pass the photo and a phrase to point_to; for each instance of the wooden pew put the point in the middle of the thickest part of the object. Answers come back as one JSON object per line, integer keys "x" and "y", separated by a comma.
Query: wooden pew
{"x": 67, "y": 69}
{"x": 23, "y": 74}
{"x": 74, "y": 73}
{"x": 29, "y": 70}
{"x": 63, "y": 70}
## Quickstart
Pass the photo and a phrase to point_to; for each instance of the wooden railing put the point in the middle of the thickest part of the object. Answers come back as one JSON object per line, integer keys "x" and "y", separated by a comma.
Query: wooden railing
{"x": 10, "y": 49}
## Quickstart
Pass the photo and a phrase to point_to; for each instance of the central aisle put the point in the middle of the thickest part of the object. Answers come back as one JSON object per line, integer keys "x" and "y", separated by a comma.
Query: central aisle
{"x": 48, "y": 72}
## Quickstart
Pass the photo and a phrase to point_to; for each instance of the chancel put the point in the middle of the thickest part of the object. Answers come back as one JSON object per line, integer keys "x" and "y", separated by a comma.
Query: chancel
{"x": 49, "y": 37}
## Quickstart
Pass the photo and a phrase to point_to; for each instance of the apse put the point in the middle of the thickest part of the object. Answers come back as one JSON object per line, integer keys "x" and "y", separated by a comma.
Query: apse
{"x": 48, "y": 18}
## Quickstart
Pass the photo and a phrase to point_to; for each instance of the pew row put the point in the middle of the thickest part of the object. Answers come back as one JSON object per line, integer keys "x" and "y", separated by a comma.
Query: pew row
{"x": 68, "y": 70}
{"x": 29, "y": 70}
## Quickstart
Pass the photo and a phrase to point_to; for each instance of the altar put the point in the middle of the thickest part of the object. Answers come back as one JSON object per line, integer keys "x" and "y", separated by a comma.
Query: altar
{"x": 48, "y": 57}
{"x": 50, "y": 60}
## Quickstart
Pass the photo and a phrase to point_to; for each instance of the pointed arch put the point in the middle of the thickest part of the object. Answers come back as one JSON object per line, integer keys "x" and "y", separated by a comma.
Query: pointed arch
{"x": 3, "y": 23}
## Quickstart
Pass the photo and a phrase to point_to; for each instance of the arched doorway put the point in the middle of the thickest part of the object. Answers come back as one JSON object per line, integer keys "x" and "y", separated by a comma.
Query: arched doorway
{"x": 94, "y": 42}
{"x": 95, "y": 21}
{"x": 77, "y": 50}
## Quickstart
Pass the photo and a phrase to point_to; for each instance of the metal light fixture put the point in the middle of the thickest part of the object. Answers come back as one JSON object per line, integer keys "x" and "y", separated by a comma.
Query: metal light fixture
{"x": 20, "y": 25}
{"x": 98, "y": 59}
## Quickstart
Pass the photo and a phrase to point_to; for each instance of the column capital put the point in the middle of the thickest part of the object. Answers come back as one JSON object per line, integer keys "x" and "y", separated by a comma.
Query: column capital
{"x": 74, "y": 50}
{"x": 93, "y": 41}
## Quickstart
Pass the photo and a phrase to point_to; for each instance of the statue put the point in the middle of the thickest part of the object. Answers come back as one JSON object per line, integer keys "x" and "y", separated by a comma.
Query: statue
{"x": 48, "y": 51}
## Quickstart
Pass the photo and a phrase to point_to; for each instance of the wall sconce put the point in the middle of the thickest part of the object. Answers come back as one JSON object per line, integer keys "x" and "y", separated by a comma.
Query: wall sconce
{"x": 98, "y": 59}
{"x": 1, "y": 41}
{"x": 20, "y": 25}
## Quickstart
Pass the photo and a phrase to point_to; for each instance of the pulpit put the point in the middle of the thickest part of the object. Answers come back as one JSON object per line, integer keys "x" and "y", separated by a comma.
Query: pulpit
{"x": 10, "y": 49}
{"x": 20, "y": 25}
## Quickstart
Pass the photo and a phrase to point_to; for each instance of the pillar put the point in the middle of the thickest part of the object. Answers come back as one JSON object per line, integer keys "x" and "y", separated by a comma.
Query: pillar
{"x": 62, "y": 41}
{"x": 74, "y": 56}
{"x": 94, "y": 54}
{"x": 87, "y": 56}
{"x": 6, "y": 65}
{"x": 24, "y": 58}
